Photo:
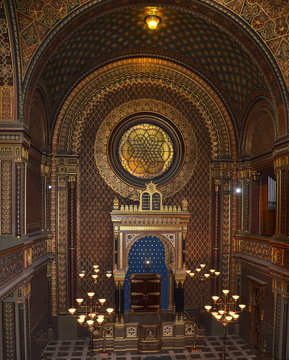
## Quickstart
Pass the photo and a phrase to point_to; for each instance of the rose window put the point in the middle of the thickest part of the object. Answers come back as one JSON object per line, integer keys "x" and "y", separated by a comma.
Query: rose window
{"x": 146, "y": 151}
{"x": 146, "y": 147}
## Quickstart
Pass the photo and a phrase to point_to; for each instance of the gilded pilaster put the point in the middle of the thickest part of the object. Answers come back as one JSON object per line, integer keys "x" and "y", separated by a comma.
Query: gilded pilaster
{"x": 72, "y": 237}
{"x": 66, "y": 174}
{"x": 14, "y": 152}
{"x": 9, "y": 330}
{"x": 222, "y": 176}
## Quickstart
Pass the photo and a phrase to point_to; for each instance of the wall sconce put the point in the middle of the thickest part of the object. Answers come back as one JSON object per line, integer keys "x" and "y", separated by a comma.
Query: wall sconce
{"x": 152, "y": 19}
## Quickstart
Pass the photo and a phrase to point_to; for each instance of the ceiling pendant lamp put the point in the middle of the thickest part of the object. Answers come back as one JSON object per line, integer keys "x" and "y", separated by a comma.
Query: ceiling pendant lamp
{"x": 152, "y": 21}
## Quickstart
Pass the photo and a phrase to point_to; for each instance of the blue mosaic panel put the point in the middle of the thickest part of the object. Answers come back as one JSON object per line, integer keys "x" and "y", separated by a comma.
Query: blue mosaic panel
{"x": 136, "y": 265}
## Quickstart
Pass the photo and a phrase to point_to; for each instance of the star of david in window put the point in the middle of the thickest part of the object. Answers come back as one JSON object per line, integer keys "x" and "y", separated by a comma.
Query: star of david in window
{"x": 146, "y": 151}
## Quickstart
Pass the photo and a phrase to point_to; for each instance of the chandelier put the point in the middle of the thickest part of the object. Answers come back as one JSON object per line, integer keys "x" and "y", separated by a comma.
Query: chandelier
{"x": 226, "y": 311}
{"x": 89, "y": 311}
{"x": 201, "y": 276}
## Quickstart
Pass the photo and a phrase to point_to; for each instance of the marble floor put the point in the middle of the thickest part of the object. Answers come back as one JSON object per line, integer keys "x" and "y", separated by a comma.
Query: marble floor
{"x": 236, "y": 349}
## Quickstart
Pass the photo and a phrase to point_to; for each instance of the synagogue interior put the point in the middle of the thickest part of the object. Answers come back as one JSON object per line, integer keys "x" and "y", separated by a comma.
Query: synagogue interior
{"x": 144, "y": 177}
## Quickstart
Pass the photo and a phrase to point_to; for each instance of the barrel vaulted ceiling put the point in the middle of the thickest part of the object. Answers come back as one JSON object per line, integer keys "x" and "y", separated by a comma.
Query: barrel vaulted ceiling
{"x": 59, "y": 42}
{"x": 268, "y": 18}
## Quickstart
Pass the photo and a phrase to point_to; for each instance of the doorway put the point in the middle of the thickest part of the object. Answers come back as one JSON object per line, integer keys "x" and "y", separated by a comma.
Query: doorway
{"x": 145, "y": 292}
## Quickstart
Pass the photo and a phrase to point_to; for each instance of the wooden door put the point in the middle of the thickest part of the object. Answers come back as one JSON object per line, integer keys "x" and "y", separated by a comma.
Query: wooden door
{"x": 145, "y": 292}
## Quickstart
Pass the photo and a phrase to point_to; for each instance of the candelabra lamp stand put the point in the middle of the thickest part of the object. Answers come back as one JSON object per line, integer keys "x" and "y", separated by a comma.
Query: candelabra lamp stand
{"x": 226, "y": 311}
{"x": 90, "y": 312}
{"x": 202, "y": 275}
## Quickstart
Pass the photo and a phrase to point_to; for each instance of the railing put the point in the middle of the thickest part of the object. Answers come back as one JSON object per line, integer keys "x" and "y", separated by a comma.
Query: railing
{"x": 263, "y": 248}
{"x": 16, "y": 260}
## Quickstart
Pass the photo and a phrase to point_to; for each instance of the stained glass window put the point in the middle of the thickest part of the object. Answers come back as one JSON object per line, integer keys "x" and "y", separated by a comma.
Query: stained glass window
{"x": 146, "y": 151}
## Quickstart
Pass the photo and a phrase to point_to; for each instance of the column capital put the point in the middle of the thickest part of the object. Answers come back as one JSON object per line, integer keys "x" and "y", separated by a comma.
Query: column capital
{"x": 255, "y": 175}
{"x": 45, "y": 166}
{"x": 222, "y": 168}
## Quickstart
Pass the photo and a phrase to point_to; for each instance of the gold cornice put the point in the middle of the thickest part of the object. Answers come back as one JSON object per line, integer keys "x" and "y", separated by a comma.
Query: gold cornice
{"x": 67, "y": 165}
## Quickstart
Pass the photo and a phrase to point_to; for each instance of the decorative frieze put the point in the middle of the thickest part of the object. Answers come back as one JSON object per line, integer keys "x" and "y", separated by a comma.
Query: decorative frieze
{"x": 263, "y": 249}
{"x": 15, "y": 261}
{"x": 254, "y": 248}
{"x": 11, "y": 265}
{"x": 39, "y": 248}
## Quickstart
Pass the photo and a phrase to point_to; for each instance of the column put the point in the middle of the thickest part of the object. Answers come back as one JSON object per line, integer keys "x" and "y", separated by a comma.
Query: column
{"x": 45, "y": 193}
{"x": 244, "y": 188}
{"x": 72, "y": 190}
{"x": 281, "y": 319}
{"x": 216, "y": 229}
{"x": 255, "y": 199}
{"x": 281, "y": 167}
{"x": 65, "y": 232}
{"x": 119, "y": 277}
{"x": 222, "y": 172}
{"x": 180, "y": 277}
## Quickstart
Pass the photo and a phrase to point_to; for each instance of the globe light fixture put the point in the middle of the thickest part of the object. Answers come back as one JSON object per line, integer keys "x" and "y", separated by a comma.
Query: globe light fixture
{"x": 152, "y": 21}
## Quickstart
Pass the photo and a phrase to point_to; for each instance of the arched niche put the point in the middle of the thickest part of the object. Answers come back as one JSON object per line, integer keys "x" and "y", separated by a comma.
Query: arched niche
{"x": 258, "y": 145}
{"x": 260, "y": 129}
{"x": 38, "y": 122}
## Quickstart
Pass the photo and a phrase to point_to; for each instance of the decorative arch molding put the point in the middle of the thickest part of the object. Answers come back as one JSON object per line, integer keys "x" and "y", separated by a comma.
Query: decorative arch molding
{"x": 117, "y": 76}
{"x": 170, "y": 251}
{"x": 261, "y": 108}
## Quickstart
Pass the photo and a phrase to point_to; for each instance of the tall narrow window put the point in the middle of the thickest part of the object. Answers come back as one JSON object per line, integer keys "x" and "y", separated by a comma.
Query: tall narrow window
{"x": 271, "y": 194}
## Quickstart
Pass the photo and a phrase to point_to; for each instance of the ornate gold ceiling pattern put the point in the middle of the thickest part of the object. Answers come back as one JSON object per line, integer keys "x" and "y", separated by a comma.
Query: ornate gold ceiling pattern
{"x": 36, "y": 18}
{"x": 119, "y": 76}
{"x": 269, "y": 18}
{"x": 210, "y": 49}
{"x": 6, "y": 73}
